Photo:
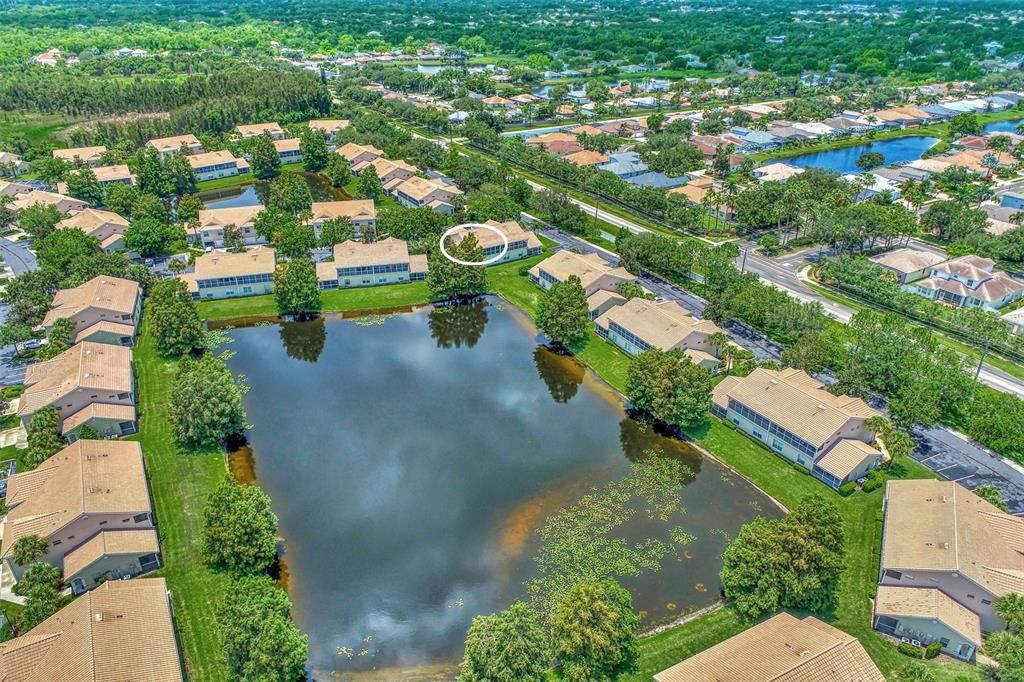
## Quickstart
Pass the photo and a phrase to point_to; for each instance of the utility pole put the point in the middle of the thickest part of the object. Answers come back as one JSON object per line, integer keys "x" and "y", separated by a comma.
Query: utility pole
{"x": 743, "y": 265}
{"x": 981, "y": 363}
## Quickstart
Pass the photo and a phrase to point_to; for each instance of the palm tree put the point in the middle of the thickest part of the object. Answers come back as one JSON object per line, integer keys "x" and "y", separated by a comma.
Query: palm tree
{"x": 29, "y": 549}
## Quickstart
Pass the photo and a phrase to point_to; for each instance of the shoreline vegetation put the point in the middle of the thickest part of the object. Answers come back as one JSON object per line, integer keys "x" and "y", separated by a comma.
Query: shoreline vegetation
{"x": 670, "y": 643}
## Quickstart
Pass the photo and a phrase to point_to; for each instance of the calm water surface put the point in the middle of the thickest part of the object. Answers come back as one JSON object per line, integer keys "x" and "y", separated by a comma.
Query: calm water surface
{"x": 258, "y": 192}
{"x": 845, "y": 160}
{"x": 414, "y": 458}
{"x": 1008, "y": 126}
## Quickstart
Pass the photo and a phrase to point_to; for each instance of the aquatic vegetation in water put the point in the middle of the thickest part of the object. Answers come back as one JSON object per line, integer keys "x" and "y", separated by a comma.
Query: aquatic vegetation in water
{"x": 671, "y": 606}
{"x": 577, "y": 540}
{"x": 680, "y": 536}
{"x": 700, "y": 587}
{"x": 215, "y": 338}
{"x": 347, "y": 652}
{"x": 372, "y": 320}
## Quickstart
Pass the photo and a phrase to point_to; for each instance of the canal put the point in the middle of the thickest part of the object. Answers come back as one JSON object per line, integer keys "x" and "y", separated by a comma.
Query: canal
{"x": 438, "y": 464}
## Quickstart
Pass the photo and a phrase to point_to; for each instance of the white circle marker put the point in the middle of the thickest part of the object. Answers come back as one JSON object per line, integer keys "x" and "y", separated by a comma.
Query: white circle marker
{"x": 492, "y": 228}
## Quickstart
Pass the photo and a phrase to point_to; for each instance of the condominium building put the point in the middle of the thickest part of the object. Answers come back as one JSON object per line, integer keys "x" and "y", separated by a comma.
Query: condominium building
{"x": 275, "y": 131}
{"x": 360, "y": 213}
{"x": 106, "y": 226}
{"x": 521, "y": 243}
{"x": 179, "y": 144}
{"x": 639, "y": 324}
{"x": 104, "y": 310}
{"x": 219, "y": 164}
{"x": 357, "y": 264}
{"x": 223, "y": 274}
{"x": 81, "y": 156}
{"x": 594, "y": 272}
{"x": 213, "y": 222}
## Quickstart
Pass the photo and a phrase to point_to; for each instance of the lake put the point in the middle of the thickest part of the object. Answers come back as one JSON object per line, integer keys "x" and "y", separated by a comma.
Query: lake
{"x": 1007, "y": 126}
{"x": 415, "y": 461}
{"x": 252, "y": 193}
{"x": 844, "y": 160}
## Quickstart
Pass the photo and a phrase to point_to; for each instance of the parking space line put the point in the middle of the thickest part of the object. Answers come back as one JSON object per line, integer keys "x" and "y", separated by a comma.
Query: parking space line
{"x": 939, "y": 471}
{"x": 922, "y": 461}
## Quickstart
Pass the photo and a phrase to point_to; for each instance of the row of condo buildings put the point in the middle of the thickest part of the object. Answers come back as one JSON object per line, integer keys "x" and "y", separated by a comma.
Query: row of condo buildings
{"x": 223, "y": 274}
{"x": 400, "y": 180}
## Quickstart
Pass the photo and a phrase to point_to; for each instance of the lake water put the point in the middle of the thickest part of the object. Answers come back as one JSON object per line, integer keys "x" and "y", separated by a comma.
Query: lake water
{"x": 844, "y": 160}
{"x": 1008, "y": 126}
{"x": 413, "y": 459}
{"x": 258, "y": 192}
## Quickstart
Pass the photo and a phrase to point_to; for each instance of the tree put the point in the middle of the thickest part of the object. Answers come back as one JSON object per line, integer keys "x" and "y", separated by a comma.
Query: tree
{"x": 39, "y": 220}
{"x": 239, "y": 529}
{"x": 83, "y": 185}
{"x": 148, "y": 237}
{"x": 594, "y": 632}
{"x": 296, "y": 288}
{"x": 642, "y": 378}
{"x": 51, "y": 169}
{"x": 88, "y": 433}
{"x": 264, "y": 160}
{"x": 44, "y": 436}
{"x": 953, "y": 220}
{"x": 150, "y": 206}
{"x": 29, "y": 296}
{"x": 150, "y": 173}
{"x": 119, "y": 198}
{"x": 313, "y": 146}
{"x": 337, "y": 171}
{"x": 683, "y": 395}
{"x": 186, "y": 212}
{"x": 869, "y": 160}
{"x": 234, "y": 240}
{"x": 448, "y": 280}
{"x": 174, "y": 318}
{"x": 630, "y": 290}
{"x": 40, "y": 585}
{"x": 181, "y": 177}
{"x": 291, "y": 193}
{"x": 205, "y": 402}
{"x": 59, "y": 248}
{"x": 260, "y": 641}
{"x": 1007, "y": 647}
{"x": 964, "y": 124}
{"x": 991, "y": 494}
{"x": 368, "y": 185}
{"x": 294, "y": 240}
{"x": 28, "y": 549}
{"x": 59, "y": 338}
{"x": 792, "y": 562}
{"x": 506, "y": 647}
{"x": 335, "y": 231}
{"x": 563, "y": 314}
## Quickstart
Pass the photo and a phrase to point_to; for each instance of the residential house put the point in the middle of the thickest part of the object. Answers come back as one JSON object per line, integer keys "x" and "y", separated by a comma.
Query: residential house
{"x": 91, "y": 494}
{"x": 417, "y": 192}
{"x": 12, "y": 165}
{"x": 594, "y": 272}
{"x": 981, "y": 161}
{"x": 89, "y": 383}
{"x": 179, "y": 144}
{"x": 695, "y": 193}
{"x": 874, "y": 184}
{"x": 586, "y": 158}
{"x": 791, "y": 412}
{"x": 357, "y": 264}
{"x": 387, "y": 170}
{"x": 81, "y": 156}
{"x": 497, "y": 102}
{"x": 288, "y": 150}
{"x": 13, "y": 189}
{"x": 560, "y": 148}
{"x": 603, "y": 300}
{"x": 657, "y": 180}
{"x": 360, "y": 213}
{"x": 947, "y": 555}
{"x": 776, "y": 172}
{"x": 547, "y": 138}
{"x": 64, "y": 204}
{"x": 968, "y": 282}
{"x": 359, "y": 153}
{"x": 521, "y": 243}
{"x": 275, "y": 131}
{"x": 1015, "y": 318}
{"x": 639, "y": 324}
{"x": 219, "y": 164}
{"x": 909, "y": 265}
{"x": 106, "y": 226}
{"x": 105, "y": 310}
{"x": 626, "y": 165}
{"x": 119, "y": 631}
{"x": 330, "y": 127}
{"x": 213, "y": 222}
{"x": 1000, "y": 218}
{"x": 783, "y": 648}
{"x": 224, "y": 274}
{"x": 106, "y": 175}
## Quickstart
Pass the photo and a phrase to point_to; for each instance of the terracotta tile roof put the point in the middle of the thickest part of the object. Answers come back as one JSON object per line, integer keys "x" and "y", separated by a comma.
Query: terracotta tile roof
{"x": 92, "y": 218}
{"x": 103, "y": 292}
{"x": 352, "y": 254}
{"x": 112, "y": 173}
{"x": 486, "y": 238}
{"x": 418, "y": 188}
{"x": 253, "y": 261}
{"x": 120, "y": 631}
{"x": 79, "y": 153}
{"x": 796, "y": 401}
{"x": 601, "y": 296}
{"x": 930, "y": 603}
{"x": 121, "y": 413}
{"x": 586, "y": 158}
{"x": 352, "y": 150}
{"x": 781, "y": 649}
{"x": 589, "y": 268}
{"x": 174, "y": 144}
{"x": 907, "y": 260}
{"x": 663, "y": 325}
{"x": 218, "y": 218}
{"x": 288, "y": 144}
{"x": 258, "y": 129}
{"x": 86, "y": 477}
{"x": 110, "y": 543}
{"x": 205, "y": 159}
{"x": 86, "y": 365}
{"x": 118, "y": 328}
{"x": 37, "y": 196}
{"x": 941, "y": 526}
{"x": 329, "y": 125}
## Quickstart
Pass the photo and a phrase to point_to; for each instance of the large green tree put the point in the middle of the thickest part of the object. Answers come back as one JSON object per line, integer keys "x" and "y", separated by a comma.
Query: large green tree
{"x": 39, "y": 220}
{"x": 290, "y": 193}
{"x": 1007, "y": 647}
{"x": 669, "y": 386}
{"x": 510, "y": 646}
{"x": 260, "y": 641}
{"x": 313, "y": 146}
{"x": 594, "y": 632}
{"x": 206, "y": 401}
{"x": 792, "y": 562}
{"x": 368, "y": 184}
{"x": 563, "y": 314}
{"x": 448, "y": 280}
{"x": 175, "y": 320}
{"x": 28, "y": 549}
{"x": 83, "y": 185}
{"x": 41, "y": 587}
{"x": 148, "y": 237}
{"x": 239, "y": 529}
{"x": 264, "y": 161}
{"x": 44, "y": 436}
{"x": 296, "y": 288}
{"x": 59, "y": 338}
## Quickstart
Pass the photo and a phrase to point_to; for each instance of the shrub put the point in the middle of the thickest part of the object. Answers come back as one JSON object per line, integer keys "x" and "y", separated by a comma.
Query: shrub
{"x": 875, "y": 481}
{"x": 909, "y": 650}
{"x": 847, "y": 488}
{"x": 933, "y": 650}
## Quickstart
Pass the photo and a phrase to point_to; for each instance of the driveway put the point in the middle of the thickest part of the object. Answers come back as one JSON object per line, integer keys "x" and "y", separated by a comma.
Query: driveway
{"x": 18, "y": 256}
{"x": 955, "y": 458}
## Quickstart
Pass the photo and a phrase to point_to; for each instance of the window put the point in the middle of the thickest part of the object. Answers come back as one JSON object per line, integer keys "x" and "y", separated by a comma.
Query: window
{"x": 56, "y": 542}
{"x": 895, "y": 575}
{"x": 970, "y": 596}
{"x": 102, "y": 523}
{"x": 139, "y": 518}
{"x": 944, "y": 642}
{"x": 986, "y": 602}
{"x": 123, "y": 396}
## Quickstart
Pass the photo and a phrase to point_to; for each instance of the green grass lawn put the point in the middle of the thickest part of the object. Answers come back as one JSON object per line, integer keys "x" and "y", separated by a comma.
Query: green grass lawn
{"x": 180, "y": 481}
{"x": 334, "y": 300}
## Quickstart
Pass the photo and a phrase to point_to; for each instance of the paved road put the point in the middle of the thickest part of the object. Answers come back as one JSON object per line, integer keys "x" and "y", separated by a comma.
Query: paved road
{"x": 18, "y": 256}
